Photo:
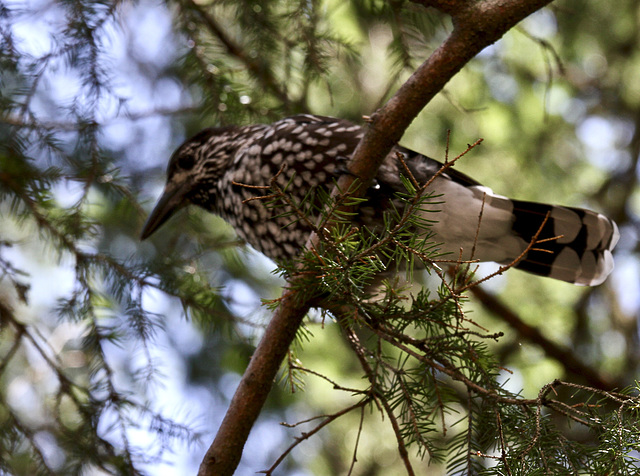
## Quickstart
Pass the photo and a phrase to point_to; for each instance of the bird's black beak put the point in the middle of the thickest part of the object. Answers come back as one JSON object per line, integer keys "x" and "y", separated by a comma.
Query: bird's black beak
{"x": 172, "y": 200}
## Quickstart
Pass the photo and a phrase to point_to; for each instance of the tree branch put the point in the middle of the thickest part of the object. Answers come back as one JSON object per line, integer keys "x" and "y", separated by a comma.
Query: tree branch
{"x": 476, "y": 25}
{"x": 258, "y": 69}
{"x": 571, "y": 363}
{"x": 224, "y": 454}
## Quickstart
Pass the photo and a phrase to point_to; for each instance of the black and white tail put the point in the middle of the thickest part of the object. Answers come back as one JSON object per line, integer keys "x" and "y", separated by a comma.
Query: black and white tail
{"x": 574, "y": 245}
{"x": 581, "y": 250}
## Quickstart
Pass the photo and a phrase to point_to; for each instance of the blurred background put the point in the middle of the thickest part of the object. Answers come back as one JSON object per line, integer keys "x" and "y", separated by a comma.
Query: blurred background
{"x": 117, "y": 354}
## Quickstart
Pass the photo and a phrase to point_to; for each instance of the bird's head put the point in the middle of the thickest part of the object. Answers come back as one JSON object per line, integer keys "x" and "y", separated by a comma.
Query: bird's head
{"x": 193, "y": 171}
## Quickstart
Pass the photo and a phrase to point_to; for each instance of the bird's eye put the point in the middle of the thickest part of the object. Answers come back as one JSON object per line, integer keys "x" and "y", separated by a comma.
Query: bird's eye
{"x": 186, "y": 162}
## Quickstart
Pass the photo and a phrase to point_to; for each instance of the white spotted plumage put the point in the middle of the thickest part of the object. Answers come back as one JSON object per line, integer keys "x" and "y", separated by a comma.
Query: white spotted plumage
{"x": 304, "y": 151}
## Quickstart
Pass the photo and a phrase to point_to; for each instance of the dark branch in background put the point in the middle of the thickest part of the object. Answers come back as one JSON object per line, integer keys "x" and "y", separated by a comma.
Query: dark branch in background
{"x": 562, "y": 354}
{"x": 259, "y": 70}
{"x": 476, "y": 25}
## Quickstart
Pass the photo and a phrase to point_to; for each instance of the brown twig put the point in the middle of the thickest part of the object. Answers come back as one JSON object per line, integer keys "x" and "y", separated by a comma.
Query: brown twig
{"x": 354, "y": 458}
{"x": 355, "y": 345}
{"x": 308, "y": 434}
{"x": 336, "y": 386}
{"x": 503, "y": 444}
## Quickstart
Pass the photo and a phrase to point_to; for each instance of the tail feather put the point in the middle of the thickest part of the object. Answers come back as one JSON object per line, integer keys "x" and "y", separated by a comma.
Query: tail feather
{"x": 579, "y": 243}
{"x": 572, "y": 245}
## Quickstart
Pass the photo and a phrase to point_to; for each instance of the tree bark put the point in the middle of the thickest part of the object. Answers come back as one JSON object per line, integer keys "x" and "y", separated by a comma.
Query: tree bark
{"x": 223, "y": 456}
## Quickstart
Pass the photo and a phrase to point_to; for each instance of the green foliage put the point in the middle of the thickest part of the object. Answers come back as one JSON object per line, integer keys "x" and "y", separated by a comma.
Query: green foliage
{"x": 426, "y": 361}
